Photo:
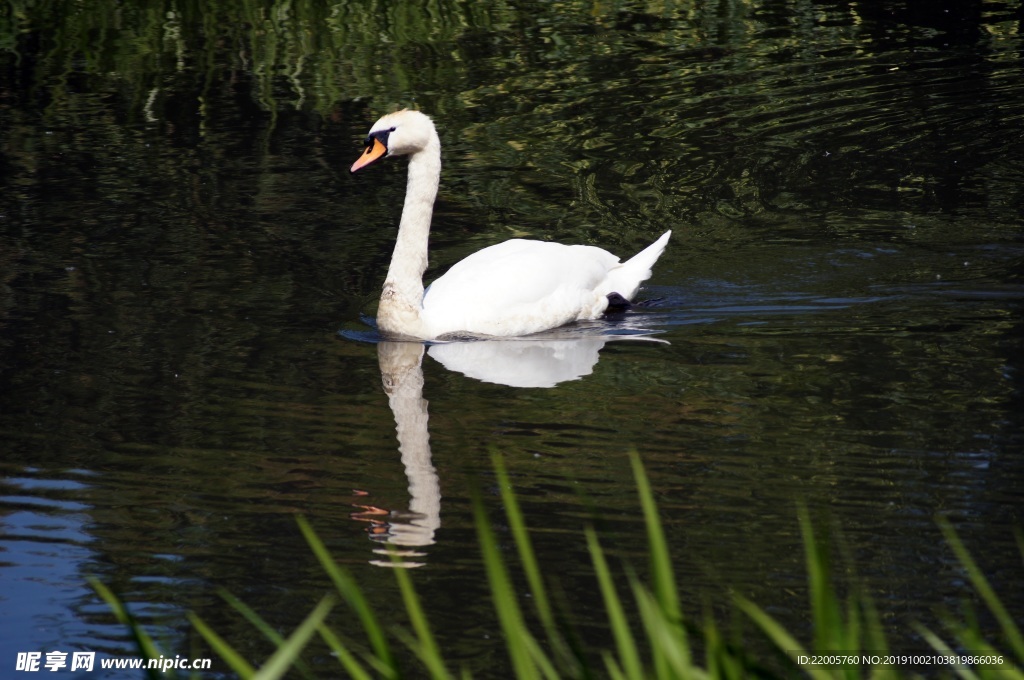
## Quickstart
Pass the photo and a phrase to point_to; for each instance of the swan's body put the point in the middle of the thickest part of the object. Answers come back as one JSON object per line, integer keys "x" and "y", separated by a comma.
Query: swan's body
{"x": 513, "y": 288}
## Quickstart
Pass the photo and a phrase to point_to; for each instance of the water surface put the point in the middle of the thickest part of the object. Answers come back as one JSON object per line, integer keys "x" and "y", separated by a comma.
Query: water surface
{"x": 186, "y": 267}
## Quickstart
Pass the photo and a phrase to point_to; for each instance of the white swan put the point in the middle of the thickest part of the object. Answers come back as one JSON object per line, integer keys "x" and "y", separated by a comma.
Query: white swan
{"x": 513, "y": 288}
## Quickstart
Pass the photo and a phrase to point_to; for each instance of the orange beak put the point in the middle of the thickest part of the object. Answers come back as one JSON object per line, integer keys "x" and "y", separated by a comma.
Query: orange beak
{"x": 373, "y": 152}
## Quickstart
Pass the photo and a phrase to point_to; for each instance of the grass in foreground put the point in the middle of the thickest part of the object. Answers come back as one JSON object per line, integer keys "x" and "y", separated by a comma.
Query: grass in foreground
{"x": 651, "y": 637}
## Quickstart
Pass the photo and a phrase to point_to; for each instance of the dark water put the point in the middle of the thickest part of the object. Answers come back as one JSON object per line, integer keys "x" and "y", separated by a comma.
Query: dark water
{"x": 185, "y": 266}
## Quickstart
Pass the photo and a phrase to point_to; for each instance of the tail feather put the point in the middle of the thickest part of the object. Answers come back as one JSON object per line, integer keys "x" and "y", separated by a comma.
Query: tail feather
{"x": 627, "y": 277}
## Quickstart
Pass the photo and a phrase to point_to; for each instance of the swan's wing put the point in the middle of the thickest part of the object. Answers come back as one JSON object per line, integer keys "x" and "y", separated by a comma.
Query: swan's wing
{"x": 531, "y": 284}
{"x": 520, "y": 272}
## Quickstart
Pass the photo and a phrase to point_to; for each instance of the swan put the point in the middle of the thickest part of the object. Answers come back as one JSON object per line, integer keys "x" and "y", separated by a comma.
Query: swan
{"x": 513, "y": 288}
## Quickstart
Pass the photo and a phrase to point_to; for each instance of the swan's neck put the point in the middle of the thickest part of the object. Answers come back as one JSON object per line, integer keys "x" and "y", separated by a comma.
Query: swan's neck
{"x": 401, "y": 301}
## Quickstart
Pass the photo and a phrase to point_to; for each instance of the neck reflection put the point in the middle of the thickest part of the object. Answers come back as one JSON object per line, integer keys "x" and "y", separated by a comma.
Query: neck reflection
{"x": 536, "y": 362}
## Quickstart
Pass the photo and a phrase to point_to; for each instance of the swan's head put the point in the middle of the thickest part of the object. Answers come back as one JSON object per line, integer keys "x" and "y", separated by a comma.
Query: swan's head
{"x": 396, "y": 134}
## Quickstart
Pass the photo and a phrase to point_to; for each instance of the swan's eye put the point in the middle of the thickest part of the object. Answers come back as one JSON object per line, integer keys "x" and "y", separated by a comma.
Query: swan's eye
{"x": 379, "y": 135}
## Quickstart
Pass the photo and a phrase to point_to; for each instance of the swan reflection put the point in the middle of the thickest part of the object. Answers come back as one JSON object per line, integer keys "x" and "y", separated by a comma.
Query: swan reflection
{"x": 527, "y": 362}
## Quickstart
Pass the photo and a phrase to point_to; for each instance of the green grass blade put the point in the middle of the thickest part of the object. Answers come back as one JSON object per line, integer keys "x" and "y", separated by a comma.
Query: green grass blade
{"x": 222, "y": 648}
{"x": 530, "y": 565}
{"x": 720, "y": 662}
{"x": 784, "y": 642}
{"x": 348, "y": 589}
{"x": 425, "y": 645}
{"x": 505, "y": 603}
{"x": 613, "y": 668}
{"x": 542, "y": 661}
{"x": 143, "y": 642}
{"x": 874, "y": 634}
{"x": 264, "y": 628}
{"x": 564, "y": 652}
{"x": 435, "y": 670}
{"x": 281, "y": 661}
{"x": 941, "y": 647}
{"x": 981, "y": 584}
{"x": 345, "y": 657}
{"x": 531, "y": 569}
{"x": 662, "y": 568}
{"x": 825, "y": 610}
{"x": 971, "y": 638}
{"x": 662, "y": 571}
{"x": 624, "y": 642}
{"x": 672, "y": 655}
